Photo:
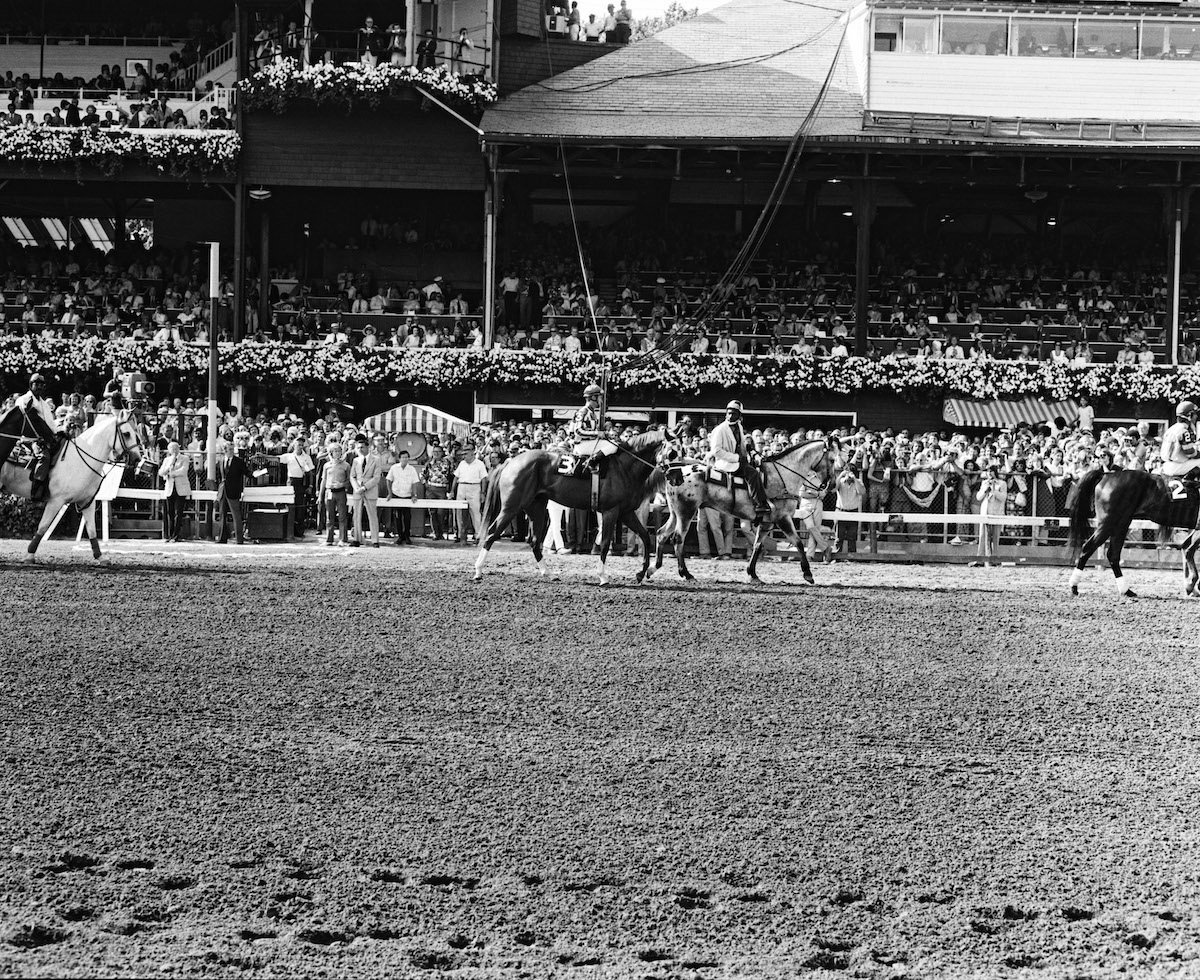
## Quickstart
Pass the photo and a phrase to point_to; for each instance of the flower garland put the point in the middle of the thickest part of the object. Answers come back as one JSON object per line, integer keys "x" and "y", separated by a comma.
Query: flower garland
{"x": 175, "y": 152}
{"x": 280, "y": 85}
{"x": 686, "y": 375}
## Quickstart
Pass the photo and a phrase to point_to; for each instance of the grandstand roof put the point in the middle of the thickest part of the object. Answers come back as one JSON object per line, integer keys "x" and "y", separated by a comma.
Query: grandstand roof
{"x": 748, "y": 71}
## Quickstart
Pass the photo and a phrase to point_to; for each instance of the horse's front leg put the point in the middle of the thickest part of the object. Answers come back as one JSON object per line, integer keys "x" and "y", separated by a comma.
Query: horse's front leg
{"x": 88, "y": 517}
{"x": 1115, "y": 544}
{"x": 788, "y": 526}
{"x": 634, "y": 523}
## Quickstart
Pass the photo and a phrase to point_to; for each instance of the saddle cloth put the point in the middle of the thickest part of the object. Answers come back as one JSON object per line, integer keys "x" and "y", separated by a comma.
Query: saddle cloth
{"x": 1185, "y": 502}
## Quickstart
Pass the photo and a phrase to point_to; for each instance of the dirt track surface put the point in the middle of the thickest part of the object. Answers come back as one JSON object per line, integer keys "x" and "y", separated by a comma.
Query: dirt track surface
{"x": 300, "y": 761}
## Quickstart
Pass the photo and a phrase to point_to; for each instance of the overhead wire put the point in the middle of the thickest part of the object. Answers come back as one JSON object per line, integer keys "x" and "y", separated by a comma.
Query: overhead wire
{"x": 720, "y": 294}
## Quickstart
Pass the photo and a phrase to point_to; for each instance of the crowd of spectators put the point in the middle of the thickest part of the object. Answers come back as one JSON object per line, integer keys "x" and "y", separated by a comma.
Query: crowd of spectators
{"x": 1083, "y": 312}
{"x": 614, "y": 26}
{"x": 982, "y": 304}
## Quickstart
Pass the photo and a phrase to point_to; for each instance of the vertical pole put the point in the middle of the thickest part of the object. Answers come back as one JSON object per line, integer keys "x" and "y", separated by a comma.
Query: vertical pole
{"x": 214, "y": 292}
{"x": 1176, "y": 250}
{"x": 42, "y": 54}
{"x": 490, "y": 191}
{"x": 264, "y": 271}
{"x": 864, "y": 213}
{"x": 239, "y": 260}
{"x": 410, "y": 33}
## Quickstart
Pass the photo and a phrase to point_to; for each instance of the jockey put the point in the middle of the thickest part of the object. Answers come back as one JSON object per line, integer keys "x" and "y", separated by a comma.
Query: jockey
{"x": 585, "y": 427}
{"x": 40, "y": 414}
{"x": 728, "y": 442}
{"x": 1179, "y": 452}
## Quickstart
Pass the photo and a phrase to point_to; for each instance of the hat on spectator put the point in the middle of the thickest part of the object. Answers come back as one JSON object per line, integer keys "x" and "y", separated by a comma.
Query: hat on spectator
{"x": 361, "y": 439}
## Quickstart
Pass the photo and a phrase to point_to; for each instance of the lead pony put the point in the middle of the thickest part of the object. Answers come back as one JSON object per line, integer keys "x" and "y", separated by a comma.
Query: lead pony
{"x": 795, "y": 480}
{"x": 528, "y": 480}
{"x": 83, "y": 463}
{"x": 1117, "y": 499}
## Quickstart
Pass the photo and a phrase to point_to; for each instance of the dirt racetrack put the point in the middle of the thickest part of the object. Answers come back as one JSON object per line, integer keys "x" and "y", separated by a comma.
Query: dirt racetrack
{"x": 286, "y": 761}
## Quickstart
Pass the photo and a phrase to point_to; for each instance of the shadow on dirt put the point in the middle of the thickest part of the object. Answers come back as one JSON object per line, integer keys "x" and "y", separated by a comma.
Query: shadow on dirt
{"x": 122, "y": 568}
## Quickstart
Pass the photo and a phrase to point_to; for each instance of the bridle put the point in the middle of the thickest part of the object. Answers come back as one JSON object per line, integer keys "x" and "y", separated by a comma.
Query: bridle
{"x": 120, "y": 447}
{"x": 818, "y": 489}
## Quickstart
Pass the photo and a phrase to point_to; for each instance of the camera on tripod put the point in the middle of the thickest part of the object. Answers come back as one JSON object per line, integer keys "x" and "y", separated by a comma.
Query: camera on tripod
{"x": 135, "y": 389}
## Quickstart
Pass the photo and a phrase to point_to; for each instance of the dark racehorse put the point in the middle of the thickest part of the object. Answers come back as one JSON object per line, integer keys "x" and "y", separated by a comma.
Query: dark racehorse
{"x": 15, "y": 425}
{"x": 526, "y": 481}
{"x": 1117, "y": 499}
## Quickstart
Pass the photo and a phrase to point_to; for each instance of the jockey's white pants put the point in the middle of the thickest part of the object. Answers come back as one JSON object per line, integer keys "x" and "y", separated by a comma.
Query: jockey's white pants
{"x": 1179, "y": 469}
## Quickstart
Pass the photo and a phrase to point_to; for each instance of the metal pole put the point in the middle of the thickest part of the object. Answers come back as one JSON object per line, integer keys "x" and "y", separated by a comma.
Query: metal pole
{"x": 264, "y": 272}
{"x": 489, "y": 250}
{"x": 1177, "y": 248}
{"x": 214, "y": 292}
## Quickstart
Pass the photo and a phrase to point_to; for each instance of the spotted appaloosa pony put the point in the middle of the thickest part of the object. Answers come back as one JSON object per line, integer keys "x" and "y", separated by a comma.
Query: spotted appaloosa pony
{"x": 1117, "y": 499}
{"x": 795, "y": 481}
{"x": 528, "y": 480}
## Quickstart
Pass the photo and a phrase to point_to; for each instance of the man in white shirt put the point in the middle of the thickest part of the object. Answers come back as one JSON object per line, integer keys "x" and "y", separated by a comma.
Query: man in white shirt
{"x": 572, "y": 344}
{"x": 468, "y": 478}
{"x": 299, "y": 465}
{"x": 169, "y": 333}
{"x": 400, "y": 479}
{"x": 954, "y": 351}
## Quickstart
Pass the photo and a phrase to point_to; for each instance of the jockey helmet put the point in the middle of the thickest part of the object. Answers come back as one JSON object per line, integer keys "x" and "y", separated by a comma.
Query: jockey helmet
{"x": 1186, "y": 409}
{"x": 591, "y": 390}
{"x": 734, "y": 406}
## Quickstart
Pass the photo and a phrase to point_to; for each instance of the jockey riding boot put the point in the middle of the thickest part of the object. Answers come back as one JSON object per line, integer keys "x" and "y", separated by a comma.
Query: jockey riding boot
{"x": 758, "y": 494}
{"x": 39, "y": 479}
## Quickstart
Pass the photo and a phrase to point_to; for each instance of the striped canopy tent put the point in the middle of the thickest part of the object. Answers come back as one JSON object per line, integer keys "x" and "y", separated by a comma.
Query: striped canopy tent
{"x": 418, "y": 418}
{"x": 998, "y": 414}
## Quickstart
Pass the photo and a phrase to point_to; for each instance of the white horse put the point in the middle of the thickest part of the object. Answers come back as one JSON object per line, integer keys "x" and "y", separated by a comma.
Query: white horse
{"x": 83, "y": 463}
{"x": 795, "y": 481}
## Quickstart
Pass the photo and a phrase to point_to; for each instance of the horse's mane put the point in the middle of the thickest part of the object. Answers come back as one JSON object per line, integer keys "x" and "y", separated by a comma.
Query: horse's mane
{"x": 643, "y": 440}
{"x": 799, "y": 447}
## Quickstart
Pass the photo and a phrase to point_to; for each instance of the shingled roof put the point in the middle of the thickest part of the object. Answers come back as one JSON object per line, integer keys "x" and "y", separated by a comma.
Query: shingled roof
{"x": 747, "y": 71}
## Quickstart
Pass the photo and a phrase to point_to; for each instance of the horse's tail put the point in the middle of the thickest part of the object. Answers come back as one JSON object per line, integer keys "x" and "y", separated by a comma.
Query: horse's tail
{"x": 491, "y": 502}
{"x": 1080, "y": 506}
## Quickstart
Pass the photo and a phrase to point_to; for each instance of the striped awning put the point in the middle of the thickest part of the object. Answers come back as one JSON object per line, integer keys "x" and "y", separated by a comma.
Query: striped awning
{"x": 997, "y": 414}
{"x": 418, "y": 418}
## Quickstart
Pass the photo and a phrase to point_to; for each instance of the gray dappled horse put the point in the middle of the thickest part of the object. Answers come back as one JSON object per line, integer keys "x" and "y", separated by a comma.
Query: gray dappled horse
{"x": 528, "y": 480}
{"x": 83, "y": 462}
{"x": 1117, "y": 499}
{"x": 795, "y": 481}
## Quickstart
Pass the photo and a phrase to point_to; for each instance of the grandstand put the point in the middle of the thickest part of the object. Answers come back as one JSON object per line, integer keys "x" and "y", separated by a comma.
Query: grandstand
{"x": 1002, "y": 179}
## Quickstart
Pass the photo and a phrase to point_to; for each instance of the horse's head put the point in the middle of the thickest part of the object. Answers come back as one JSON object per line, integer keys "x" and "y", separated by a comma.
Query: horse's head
{"x": 127, "y": 439}
{"x": 670, "y": 450}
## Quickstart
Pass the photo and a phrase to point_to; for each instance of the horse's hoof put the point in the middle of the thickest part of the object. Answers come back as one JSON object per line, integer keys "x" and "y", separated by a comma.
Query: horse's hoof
{"x": 753, "y": 579}
{"x": 1074, "y": 590}
{"x": 478, "y": 577}
{"x": 1130, "y": 594}
{"x": 809, "y": 579}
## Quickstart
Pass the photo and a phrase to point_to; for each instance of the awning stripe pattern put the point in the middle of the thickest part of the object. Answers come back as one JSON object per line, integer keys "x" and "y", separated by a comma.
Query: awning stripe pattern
{"x": 998, "y": 414}
{"x": 418, "y": 418}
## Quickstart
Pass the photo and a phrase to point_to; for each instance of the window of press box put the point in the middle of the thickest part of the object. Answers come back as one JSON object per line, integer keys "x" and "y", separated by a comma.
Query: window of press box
{"x": 1107, "y": 38}
{"x": 887, "y": 33}
{"x": 920, "y": 35}
{"x": 1043, "y": 37}
{"x": 974, "y": 35}
{"x": 1171, "y": 39}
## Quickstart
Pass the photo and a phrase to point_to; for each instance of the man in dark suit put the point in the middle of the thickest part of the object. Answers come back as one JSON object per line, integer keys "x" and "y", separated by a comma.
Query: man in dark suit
{"x": 231, "y": 476}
